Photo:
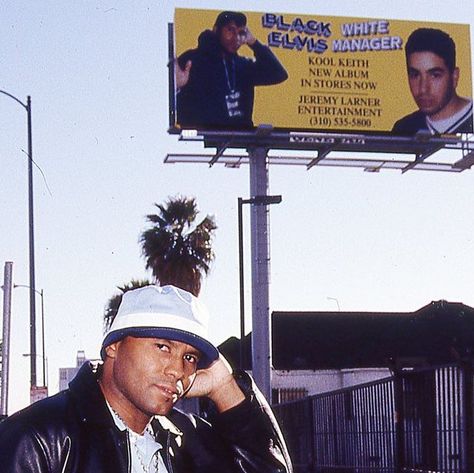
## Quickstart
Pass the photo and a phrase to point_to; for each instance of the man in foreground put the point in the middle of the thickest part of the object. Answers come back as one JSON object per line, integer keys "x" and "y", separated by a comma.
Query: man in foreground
{"x": 433, "y": 78}
{"x": 216, "y": 85}
{"x": 119, "y": 416}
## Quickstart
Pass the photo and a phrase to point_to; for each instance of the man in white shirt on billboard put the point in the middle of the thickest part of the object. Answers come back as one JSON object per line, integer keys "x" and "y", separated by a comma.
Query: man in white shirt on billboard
{"x": 433, "y": 77}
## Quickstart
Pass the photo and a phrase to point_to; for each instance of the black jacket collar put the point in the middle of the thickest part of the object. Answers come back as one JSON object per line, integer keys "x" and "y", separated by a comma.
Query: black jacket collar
{"x": 88, "y": 396}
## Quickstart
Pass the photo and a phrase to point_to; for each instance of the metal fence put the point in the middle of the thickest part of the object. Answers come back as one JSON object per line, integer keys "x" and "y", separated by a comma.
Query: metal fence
{"x": 415, "y": 421}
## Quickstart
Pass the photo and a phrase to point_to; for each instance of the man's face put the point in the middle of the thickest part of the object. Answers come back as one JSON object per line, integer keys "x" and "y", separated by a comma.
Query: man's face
{"x": 150, "y": 374}
{"x": 231, "y": 37}
{"x": 431, "y": 82}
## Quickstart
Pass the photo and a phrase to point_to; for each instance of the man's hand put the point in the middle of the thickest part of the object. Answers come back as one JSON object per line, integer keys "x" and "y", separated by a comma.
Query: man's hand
{"x": 218, "y": 384}
{"x": 249, "y": 38}
{"x": 181, "y": 76}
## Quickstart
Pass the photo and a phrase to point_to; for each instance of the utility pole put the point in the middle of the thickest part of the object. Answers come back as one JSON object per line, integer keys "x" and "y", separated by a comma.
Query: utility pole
{"x": 7, "y": 302}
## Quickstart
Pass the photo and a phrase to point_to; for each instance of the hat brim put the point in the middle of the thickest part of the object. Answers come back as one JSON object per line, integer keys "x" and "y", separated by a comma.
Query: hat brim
{"x": 209, "y": 352}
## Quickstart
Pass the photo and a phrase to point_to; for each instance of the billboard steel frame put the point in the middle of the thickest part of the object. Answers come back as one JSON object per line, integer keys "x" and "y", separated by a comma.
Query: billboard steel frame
{"x": 377, "y": 151}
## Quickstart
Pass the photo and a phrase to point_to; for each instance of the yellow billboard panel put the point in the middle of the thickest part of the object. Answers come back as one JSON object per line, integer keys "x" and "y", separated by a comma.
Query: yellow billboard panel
{"x": 236, "y": 70}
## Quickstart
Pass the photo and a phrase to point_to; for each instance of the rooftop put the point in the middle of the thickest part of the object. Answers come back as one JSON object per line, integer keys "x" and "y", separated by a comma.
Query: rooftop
{"x": 440, "y": 332}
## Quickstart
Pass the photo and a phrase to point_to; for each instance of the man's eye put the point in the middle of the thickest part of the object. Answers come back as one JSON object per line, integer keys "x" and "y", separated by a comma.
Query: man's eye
{"x": 163, "y": 347}
{"x": 191, "y": 359}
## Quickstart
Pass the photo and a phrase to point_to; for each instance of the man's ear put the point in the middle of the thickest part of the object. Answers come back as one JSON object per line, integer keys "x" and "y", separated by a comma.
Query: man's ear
{"x": 456, "y": 76}
{"x": 111, "y": 350}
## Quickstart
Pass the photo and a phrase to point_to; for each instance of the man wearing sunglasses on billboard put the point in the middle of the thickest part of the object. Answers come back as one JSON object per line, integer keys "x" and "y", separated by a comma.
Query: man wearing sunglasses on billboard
{"x": 215, "y": 85}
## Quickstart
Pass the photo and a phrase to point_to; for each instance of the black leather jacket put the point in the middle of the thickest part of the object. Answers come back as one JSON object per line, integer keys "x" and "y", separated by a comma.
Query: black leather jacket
{"x": 73, "y": 432}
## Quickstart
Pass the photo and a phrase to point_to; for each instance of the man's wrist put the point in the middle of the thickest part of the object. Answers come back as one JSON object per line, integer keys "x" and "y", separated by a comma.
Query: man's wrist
{"x": 252, "y": 44}
{"x": 227, "y": 396}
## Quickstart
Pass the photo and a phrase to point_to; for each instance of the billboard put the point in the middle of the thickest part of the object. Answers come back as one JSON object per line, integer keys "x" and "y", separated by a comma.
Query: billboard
{"x": 319, "y": 73}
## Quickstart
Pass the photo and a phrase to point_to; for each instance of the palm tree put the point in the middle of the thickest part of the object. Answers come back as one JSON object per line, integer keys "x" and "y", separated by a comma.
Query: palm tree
{"x": 176, "y": 249}
{"x": 113, "y": 303}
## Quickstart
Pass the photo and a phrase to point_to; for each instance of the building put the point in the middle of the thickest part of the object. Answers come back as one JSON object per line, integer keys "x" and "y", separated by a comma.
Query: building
{"x": 67, "y": 374}
{"x": 315, "y": 352}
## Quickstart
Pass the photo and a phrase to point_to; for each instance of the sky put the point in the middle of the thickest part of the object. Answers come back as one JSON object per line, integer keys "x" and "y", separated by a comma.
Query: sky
{"x": 97, "y": 75}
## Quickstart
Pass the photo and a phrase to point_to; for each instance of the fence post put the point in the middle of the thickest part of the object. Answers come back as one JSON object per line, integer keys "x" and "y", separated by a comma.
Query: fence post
{"x": 467, "y": 400}
{"x": 399, "y": 421}
{"x": 312, "y": 443}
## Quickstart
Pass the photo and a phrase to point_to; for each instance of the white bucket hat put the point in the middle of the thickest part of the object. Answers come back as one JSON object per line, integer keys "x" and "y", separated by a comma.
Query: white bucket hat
{"x": 163, "y": 312}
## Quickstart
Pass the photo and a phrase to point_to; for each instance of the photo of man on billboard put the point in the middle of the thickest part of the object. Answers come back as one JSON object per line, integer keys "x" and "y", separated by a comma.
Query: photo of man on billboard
{"x": 214, "y": 84}
{"x": 433, "y": 77}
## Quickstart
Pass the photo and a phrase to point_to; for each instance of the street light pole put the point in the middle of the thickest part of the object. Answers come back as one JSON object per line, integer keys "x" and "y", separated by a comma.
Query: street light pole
{"x": 40, "y": 293}
{"x": 45, "y": 380}
{"x": 31, "y": 247}
{"x": 240, "y": 202}
{"x": 256, "y": 200}
{"x": 31, "y": 237}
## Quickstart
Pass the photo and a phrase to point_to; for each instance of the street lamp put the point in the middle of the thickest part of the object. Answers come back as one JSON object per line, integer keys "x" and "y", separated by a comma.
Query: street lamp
{"x": 45, "y": 368}
{"x": 27, "y": 107}
{"x": 39, "y": 392}
{"x": 257, "y": 200}
{"x": 34, "y": 355}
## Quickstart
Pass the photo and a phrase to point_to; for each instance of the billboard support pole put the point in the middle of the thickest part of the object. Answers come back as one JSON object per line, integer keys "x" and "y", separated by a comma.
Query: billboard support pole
{"x": 261, "y": 335}
{"x": 171, "y": 66}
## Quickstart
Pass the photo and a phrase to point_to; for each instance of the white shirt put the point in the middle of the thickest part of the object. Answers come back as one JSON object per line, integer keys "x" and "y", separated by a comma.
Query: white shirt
{"x": 144, "y": 449}
{"x": 448, "y": 125}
